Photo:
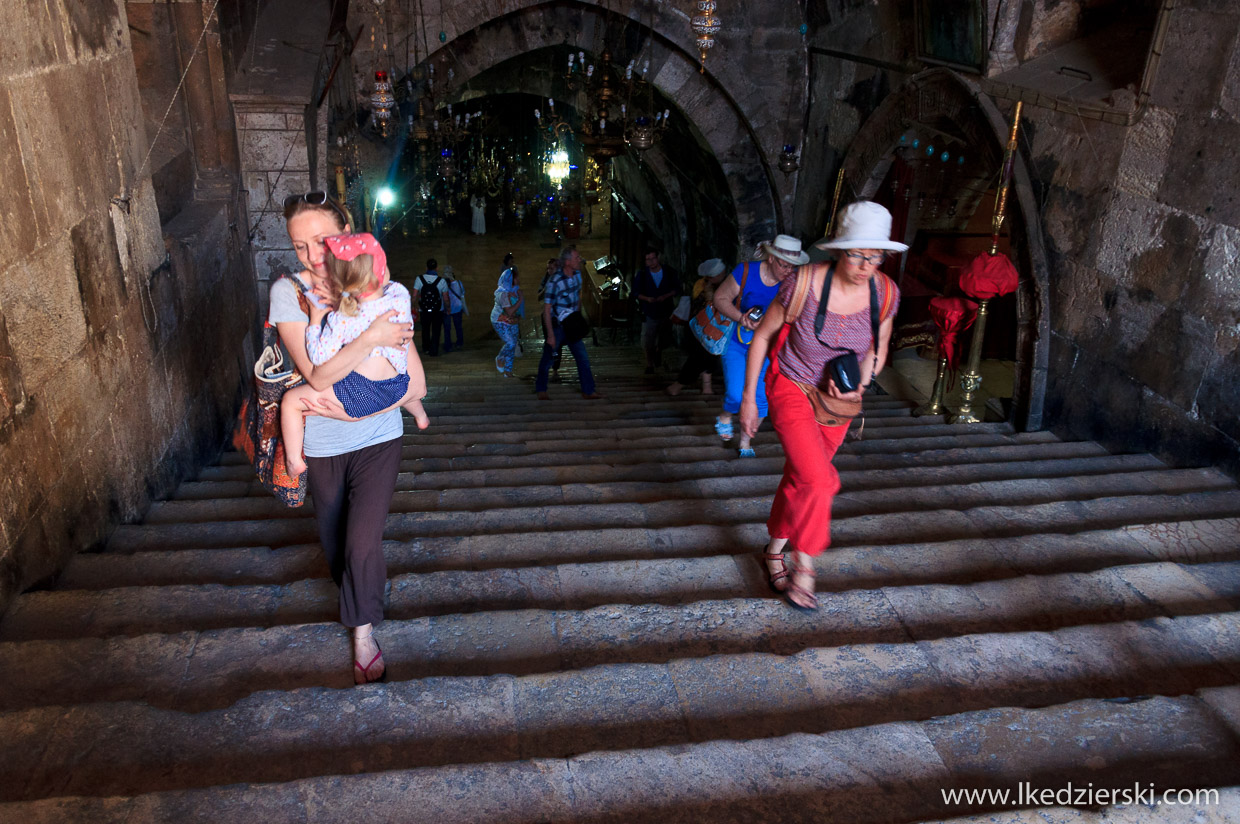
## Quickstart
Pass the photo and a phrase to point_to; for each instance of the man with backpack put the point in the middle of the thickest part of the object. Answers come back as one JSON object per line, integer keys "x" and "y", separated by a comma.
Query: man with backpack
{"x": 430, "y": 295}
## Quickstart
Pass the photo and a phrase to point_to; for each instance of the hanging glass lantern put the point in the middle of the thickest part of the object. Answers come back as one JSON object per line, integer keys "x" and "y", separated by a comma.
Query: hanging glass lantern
{"x": 381, "y": 102}
{"x": 788, "y": 159}
{"x": 705, "y": 25}
{"x": 558, "y": 168}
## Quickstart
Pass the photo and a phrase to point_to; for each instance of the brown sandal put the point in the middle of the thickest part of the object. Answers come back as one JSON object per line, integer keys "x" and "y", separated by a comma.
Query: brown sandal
{"x": 773, "y": 578}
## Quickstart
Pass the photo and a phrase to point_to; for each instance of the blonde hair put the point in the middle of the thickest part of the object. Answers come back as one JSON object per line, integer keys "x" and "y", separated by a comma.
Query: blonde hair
{"x": 346, "y": 279}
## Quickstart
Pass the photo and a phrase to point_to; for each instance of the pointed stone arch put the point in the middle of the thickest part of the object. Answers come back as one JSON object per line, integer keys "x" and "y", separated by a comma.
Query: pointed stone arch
{"x": 942, "y": 93}
{"x": 738, "y": 125}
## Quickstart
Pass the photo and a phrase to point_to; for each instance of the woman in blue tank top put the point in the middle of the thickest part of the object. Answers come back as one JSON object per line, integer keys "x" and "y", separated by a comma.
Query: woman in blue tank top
{"x": 743, "y": 298}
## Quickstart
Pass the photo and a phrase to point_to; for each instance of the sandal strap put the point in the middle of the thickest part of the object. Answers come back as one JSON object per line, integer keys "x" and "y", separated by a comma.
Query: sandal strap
{"x": 773, "y": 556}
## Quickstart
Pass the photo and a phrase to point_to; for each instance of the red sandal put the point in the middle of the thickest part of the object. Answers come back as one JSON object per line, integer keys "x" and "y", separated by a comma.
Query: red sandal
{"x": 796, "y": 589}
{"x": 773, "y": 578}
{"x": 362, "y": 674}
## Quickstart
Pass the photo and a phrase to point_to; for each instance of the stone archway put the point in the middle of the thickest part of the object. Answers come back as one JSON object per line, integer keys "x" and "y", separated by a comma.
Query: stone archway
{"x": 742, "y": 134}
{"x": 941, "y": 93}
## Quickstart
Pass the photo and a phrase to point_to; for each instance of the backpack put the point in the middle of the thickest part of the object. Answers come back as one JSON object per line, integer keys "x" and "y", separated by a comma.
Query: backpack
{"x": 430, "y": 300}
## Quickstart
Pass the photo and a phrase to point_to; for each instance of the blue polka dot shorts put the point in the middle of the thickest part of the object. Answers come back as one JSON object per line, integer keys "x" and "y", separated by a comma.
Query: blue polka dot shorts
{"x": 362, "y": 396}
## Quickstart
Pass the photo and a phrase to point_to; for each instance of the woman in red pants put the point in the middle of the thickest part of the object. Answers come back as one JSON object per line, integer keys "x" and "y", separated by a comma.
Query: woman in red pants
{"x": 843, "y": 309}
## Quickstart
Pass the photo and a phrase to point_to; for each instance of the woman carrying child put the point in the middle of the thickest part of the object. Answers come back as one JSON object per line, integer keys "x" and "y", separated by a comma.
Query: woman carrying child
{"x": 352, "y": 463}
{"x": 358, "y": 285}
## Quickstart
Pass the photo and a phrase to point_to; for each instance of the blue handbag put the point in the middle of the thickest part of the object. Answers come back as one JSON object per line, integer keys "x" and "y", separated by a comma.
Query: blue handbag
{"x": 711, "y": 328}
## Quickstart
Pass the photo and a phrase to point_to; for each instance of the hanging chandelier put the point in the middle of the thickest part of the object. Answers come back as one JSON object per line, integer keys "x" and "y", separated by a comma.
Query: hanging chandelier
{"x": 705, "y": 25}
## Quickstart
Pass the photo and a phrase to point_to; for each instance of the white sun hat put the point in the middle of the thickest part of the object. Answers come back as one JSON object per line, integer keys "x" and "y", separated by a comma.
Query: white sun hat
{"x": 863, "y": 225}
{"x": 711, "y": 268}
{"x": 786, "y": 248}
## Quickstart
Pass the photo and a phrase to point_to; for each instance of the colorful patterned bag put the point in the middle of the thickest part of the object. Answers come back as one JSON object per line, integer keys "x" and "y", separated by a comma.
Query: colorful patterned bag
{"x": 257, "y": 432}
{"x": 711, "y": 328}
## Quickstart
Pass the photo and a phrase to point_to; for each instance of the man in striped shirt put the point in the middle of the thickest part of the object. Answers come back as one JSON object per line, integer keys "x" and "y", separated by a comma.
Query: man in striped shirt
{"x": 561, "y": 299}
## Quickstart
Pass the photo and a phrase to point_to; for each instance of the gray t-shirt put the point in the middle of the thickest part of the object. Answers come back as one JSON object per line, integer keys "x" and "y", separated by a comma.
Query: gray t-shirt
{"x": 327, "y": 437}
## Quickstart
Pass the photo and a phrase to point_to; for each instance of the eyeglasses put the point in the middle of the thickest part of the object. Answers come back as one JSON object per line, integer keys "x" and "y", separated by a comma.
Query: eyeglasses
{"x": 859, "y": 259}
{"x": 315, "y": 198}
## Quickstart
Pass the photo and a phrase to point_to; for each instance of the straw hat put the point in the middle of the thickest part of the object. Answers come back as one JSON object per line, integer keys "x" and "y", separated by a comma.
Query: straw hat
{"x": 863, "y": 225}
{"x": 711, "y": 268}
{"x": 786, "y": 248}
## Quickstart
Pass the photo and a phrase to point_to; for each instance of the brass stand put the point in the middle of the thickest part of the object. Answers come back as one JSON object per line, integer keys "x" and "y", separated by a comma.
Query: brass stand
{"x": 935, "y": 405}
{"x": 971, "y": 379}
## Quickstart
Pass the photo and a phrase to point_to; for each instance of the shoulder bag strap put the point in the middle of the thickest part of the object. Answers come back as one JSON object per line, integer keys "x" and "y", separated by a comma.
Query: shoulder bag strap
{"x": 736, "y": 301}
{"x": 805, "y": 279}
{"x": 821, "y": 318}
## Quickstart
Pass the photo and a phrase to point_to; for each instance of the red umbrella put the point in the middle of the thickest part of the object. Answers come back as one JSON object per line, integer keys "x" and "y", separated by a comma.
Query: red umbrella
{"x": 952, "y": 316}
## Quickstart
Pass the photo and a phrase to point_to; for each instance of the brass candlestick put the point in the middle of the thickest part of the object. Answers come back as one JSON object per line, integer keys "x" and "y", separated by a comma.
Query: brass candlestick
{"x": 935, "y": 405}
{"x": 971, "y": 379}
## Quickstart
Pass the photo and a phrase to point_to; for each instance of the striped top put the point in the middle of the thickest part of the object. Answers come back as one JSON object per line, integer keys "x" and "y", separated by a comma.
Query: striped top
{"x": 804, "y": 357}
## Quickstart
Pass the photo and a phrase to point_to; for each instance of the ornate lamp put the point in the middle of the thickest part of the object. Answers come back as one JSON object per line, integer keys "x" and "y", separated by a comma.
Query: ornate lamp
{"x": 381, "y": 102}
{"x": 705, "y": 25}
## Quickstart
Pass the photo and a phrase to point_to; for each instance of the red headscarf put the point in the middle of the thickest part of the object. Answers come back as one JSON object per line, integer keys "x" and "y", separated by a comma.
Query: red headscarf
{"x": 988, "y": 276}
{"x": 347, "y": 247}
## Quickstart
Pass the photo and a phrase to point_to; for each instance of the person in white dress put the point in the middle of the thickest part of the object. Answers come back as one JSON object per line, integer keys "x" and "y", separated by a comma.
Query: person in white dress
{"x": 478, "y": 209}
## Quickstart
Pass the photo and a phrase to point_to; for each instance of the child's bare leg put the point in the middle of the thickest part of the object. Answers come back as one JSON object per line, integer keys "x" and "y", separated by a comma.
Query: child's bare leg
{"x": 293, "y": 408}
{"x": 414, "y": 407}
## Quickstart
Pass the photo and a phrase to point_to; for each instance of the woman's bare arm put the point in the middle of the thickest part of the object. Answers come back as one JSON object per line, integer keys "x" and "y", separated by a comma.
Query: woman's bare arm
{"x": 763, "y": 336}
{"x": 382, "y": 332}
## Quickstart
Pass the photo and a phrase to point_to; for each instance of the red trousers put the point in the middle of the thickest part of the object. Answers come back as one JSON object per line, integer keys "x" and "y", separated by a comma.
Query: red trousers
{"x": 802, "y": 509}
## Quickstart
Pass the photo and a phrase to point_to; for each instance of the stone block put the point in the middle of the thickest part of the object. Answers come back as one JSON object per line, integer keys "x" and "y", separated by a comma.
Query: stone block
{"x": 1173, "y": 356}
{"x": 1131, "y": 226}
{"x": 1195, "y": 59}
{"x": 95, "y": 28}
{"x": 275, "y": 151}
{"x": 1197, "y": 179}
{"x": 32, "y": 38}
{"x": 250, "y": 120}
{"x": 269, "y": 232}
{"x": 1219, "y": 395}
{"x": 19, "y": 232}
{"x": 43, "y": 308}
{"x": 1213, "y": 292}
{"x": 1146, "y": 150}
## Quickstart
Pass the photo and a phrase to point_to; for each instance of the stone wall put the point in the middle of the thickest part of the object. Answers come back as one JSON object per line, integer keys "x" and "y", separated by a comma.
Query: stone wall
{"x": 118, "y": 367}
{"x": 1143, "y": 226}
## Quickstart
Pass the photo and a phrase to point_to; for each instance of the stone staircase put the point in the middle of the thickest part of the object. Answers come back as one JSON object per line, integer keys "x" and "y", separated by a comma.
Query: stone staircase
{"x": 579, "y": 630}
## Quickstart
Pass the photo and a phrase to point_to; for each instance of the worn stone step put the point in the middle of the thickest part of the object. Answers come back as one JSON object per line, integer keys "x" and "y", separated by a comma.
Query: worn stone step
{"x": 862, "y": 566}
{"x": 211, "y": 668}
{"x": 657, "y": 437}
{"x": 441, "y": 474}
{"x": 679, "y": 502}
{"x": 655, "y": 483}
{"x": 885, "y": 773}
{"x": 998, "y": 521}
{"x": 140, "y": 610}
{"x": 747, "y": 471}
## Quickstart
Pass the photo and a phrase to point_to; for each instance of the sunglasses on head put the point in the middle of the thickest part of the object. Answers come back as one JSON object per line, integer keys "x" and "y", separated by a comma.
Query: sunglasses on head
{"x": 315, "y": 198}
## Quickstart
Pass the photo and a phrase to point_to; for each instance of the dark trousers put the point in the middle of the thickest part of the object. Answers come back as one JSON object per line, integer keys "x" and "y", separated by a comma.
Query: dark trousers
{"x": 456, "y": 319}
{"x": 432, "y": 323}
{"x": 352, "y": 493}
{"x": 578, "y": 348}
{"x": 699, "y": 361}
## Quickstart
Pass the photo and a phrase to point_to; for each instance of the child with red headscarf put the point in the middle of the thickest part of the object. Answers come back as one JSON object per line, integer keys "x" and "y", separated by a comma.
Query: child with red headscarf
{"x": 359, "y": 288}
